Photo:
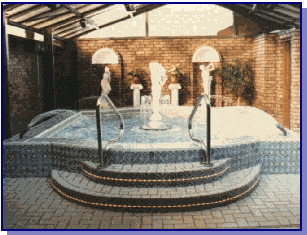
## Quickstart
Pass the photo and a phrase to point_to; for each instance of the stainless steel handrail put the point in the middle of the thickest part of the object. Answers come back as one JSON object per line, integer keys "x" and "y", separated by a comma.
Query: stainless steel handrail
{"x": 102, "y": 152}
{"x": 85, "y": 98}
{"x": 206, "y": 148}
{"x": 50, "y": 114}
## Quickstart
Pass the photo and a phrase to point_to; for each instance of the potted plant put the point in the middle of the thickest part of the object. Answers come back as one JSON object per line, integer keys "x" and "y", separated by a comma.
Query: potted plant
{"x": 176, "y": 73}
{"x": 237, "y": 78}
{"x": 135, "y": 76}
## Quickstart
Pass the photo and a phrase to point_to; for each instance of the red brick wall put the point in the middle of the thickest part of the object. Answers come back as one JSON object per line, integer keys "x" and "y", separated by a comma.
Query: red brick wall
{"x": 138, "y": 53}
{"x": 269, "y": 75}
{"x": 265, "y": 70}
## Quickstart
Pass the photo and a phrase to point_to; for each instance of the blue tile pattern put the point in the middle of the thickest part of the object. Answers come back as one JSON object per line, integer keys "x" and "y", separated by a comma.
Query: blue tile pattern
{"x": 38, "y": 156}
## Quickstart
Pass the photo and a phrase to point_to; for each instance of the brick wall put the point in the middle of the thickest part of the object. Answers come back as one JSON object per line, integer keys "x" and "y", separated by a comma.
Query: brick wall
{"x": 265, "y": 50}
{"x": 265, "y": 70}
{"x": 269, "y": 51}
{"x": 138, "y": 53}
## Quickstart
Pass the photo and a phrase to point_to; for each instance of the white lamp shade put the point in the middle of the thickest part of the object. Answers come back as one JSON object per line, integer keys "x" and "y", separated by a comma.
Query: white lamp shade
{"x": 105, "y": 56}
{"x": 206, "y": 54}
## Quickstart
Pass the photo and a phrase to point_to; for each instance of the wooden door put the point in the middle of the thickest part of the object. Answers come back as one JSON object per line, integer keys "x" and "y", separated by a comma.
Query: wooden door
{"x": 287, "y": 83}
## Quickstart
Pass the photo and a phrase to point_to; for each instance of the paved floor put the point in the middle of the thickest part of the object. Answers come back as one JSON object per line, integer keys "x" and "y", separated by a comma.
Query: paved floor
{"x": 32, "y": 204}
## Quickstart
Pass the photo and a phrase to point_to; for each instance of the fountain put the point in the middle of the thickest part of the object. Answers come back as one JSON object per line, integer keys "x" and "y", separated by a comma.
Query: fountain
{"x": 158, "y": 79}
{"x": 145, "y": 169}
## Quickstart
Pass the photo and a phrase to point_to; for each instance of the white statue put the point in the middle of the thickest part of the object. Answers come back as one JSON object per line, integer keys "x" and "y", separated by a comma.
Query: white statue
{"x": 206, "y": 76}
{"x": 105, "y": 82}
{"x": 158, "y": 79}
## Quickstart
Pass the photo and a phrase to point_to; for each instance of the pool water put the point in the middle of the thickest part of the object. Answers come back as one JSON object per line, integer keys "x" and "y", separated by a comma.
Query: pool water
{"x": 229, "y": 123}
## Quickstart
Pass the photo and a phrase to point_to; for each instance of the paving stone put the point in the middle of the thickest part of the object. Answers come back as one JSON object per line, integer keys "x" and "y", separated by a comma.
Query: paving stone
{"x": 34, "y": 220}
{"x": 282, "y": 208}
{"x": 157, "y": 224}
{"x": 217, "y": 214}
{"x": 162, "y": 216}
{"x": 77, "y": 226}
{"x": 146, "y": 219}
{"x": 229, "y": 219}
{"x": 211, "y": 226}
{"x": 179, "y": 217}
{"x": 269, "y": 223}
{"x": 168, "y": 226}
{"x": 200, "y": 224}
{"x": 283, "y": 220}
{"x": 184, "y": 226}
{"x": 256, "y": 212}
{"x": 146, "y": 226}
{"x": 242, "y": 215}
{"x": 253, "y": 224}
{"x": 32, "y": 226}
{"x": 242, "y": 222}
{"x": 227, "y": 226}
{"x": 188, "y": 219}
{"x": 104, "y": 224}
{"x": 93, "y": 226}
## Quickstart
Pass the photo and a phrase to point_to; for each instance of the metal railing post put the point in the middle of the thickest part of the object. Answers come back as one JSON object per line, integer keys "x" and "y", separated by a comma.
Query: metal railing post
{"x": 98, "y": 131}
{"x": 206, "y": 148}
{"x": 102, "y": 152}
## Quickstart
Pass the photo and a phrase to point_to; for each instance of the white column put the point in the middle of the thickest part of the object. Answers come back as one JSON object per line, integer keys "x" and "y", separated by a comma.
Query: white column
{"x": 175, "y": 93}
{"x": 136, "y": 94}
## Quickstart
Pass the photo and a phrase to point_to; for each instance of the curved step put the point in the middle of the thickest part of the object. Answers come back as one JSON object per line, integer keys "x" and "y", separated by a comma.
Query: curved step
{"x": 233, "y": 186}
{"x": 150, "y": 175}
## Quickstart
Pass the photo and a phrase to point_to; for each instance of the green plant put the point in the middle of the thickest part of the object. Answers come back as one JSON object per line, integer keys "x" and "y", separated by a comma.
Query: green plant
{"x": 175, "y": 70}
{"x": 136, "y": 73}
{"x": 237, "y": 77}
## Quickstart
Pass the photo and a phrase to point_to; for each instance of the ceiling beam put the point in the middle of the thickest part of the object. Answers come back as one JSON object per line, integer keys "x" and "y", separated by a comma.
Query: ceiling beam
{"x": 71, "y": 25}
{"x": 102, "y": 26}
{"x": 244, "y": 12}
{"x": 9, "y": 7}
{"x": 148, "y": 7}
{"x": 261, "y": 20}
{"x": 66, "y": 27}
{"x": 73, "y": 22}
{"x": 270, "y": 15}
{"x": 41, "y": 15}
{"x": 32, "y": 29}
{"x": 80, "y": 16}
{"x": 84, "y": 14}
{"x": 287, "y": 12}
{"x": 57, "y": 17}
{"x": 76, "y": 21}
{"x": 292, "y": 8}
{"x": 25, "y": 12}
{"x": 71, "y": 31}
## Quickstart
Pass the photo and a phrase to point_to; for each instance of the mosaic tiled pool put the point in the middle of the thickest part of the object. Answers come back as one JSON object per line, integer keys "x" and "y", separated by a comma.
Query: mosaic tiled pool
{"x": 245, "y": 134}
{"x": 154, "y": 170}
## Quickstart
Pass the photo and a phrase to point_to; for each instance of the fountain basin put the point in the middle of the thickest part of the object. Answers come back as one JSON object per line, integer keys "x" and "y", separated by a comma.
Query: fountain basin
{"x": 245, "y": 134}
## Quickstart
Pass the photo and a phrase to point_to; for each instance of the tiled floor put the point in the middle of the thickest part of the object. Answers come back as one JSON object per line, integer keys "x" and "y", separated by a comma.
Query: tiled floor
{"x": 32, "y": 204}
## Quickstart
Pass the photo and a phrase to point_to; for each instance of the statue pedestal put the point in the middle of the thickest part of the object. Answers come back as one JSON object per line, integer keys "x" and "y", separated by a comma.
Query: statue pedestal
{"x": 175, "y": 93}
{"x": 136, "y": 94}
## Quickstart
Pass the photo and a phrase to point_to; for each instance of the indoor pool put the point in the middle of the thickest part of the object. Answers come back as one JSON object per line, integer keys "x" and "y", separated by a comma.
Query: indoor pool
{"x": 245, "y": 134}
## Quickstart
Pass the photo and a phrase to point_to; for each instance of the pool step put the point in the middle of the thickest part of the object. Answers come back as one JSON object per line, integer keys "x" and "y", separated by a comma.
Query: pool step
{"x": 233, "y": 186}
{"x": 150, "y": 175}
